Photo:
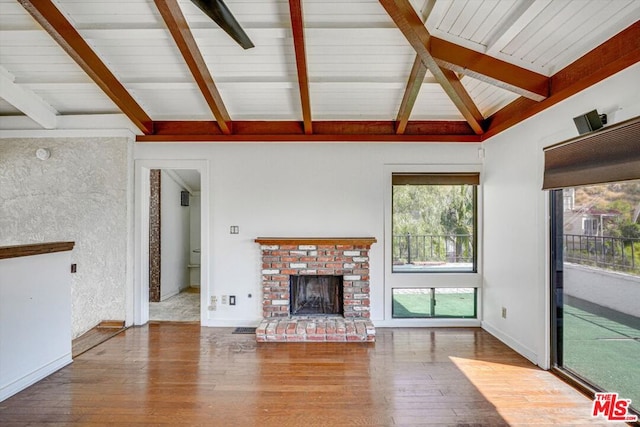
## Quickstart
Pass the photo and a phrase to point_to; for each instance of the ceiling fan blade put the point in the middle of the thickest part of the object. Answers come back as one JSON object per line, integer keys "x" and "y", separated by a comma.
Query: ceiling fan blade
{"x": 221, "y": 15}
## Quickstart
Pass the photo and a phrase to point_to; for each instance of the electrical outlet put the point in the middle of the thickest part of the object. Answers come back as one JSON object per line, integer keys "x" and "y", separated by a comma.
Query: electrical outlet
{"x": 232, "y": 300}
{"x": 213, "y": 303}
{"x": 504, "y": 312}
{"x": 224, "y": 299}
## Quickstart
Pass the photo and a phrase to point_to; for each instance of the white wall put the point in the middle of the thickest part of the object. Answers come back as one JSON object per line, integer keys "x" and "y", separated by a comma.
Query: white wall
{"x": 35, "y": 319}
{"x": 614, "y": 290}
{"x": 80, "y": 194}
{"x": 277, "y": 190}
{"x": 174, "y": 238}
{"x": 515, "y": 212}
{"x": 194, "y": 237}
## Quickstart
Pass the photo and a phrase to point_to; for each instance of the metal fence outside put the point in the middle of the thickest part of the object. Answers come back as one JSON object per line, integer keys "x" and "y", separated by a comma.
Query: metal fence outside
{"x": 425, "y": 248}
{"x": 615, "y": 253}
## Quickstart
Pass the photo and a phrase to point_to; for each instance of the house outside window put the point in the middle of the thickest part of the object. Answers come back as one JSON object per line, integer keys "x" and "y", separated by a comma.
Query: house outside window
{"x": 569, "y": 196}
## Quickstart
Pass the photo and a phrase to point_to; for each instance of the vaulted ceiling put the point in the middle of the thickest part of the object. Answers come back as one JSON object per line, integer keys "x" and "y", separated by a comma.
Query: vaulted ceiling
{"x": 367, "y": 70}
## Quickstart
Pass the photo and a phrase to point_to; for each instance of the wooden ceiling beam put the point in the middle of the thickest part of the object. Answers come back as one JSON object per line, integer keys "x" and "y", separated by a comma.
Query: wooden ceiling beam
{"x": 410, "y": 24}
{"x": 490, "y": 70}
{"x": 63, "y": 33}
{"x": 179, "y": 28}
{"x": 297, "y": 27}
{"x": 414, "y": 84}
{"x": 614, "y": 55}
{"x": 324, "y": 131}
{"x": 466, "y": 61}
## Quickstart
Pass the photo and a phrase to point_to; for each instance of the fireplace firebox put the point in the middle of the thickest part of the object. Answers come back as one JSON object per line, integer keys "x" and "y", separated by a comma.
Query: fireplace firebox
{"x": 313, "y": 295}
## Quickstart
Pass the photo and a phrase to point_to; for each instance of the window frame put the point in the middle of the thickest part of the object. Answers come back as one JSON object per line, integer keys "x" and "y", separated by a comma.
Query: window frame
{"x": 474, "y": 240}
{"x": 433, "y": 305}
{"x": 431, "y": 279}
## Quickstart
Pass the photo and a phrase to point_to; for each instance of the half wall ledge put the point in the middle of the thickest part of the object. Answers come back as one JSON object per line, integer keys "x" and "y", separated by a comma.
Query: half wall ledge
{"x": 34, "y": 249}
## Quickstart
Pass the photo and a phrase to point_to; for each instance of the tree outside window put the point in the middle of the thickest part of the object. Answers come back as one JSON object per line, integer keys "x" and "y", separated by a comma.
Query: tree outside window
{"x": 434, "y": 222}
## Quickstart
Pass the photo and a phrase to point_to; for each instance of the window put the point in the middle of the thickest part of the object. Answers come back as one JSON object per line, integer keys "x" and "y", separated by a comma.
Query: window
{"x": 411, "y": 303}
{"x": 434, "y": 222}
{"x": 590, "y": 226}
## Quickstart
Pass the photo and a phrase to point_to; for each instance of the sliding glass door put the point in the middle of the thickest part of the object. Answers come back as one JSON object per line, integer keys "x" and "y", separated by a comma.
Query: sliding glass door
{"x": 596, "y": 285}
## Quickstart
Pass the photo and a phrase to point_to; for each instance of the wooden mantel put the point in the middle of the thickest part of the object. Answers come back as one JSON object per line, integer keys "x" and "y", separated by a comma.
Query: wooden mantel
{"x": 34, "y": 249}
{"x": 355, "y": 241}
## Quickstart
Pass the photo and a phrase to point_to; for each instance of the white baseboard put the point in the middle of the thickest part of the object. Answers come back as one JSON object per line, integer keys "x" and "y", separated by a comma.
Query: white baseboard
{"x": 523, "y": 350}
{"x": 226, "y": 323}
{"x": 8, "y": 390}
{"x": 427, "y": 323}
{"x": 408, "y": 323}
{"x": 169, "y": 295}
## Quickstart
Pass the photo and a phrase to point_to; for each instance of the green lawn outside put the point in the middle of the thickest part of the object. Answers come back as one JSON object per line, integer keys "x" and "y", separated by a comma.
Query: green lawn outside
{"x": 416, "y": 303}
{"x": 411, "y": 305}
{"x": 603, "y": 351}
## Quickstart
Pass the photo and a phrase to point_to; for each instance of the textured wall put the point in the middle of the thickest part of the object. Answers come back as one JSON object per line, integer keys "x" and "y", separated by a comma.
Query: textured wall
{"x": 79, "y": 194}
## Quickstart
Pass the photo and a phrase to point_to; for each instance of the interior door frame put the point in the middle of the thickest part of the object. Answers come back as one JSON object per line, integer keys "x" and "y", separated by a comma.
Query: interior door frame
{"x": 138, "y": 296}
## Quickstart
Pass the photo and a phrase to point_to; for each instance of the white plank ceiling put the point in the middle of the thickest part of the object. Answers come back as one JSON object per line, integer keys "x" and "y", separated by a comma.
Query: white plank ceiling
{"x": 541, "y": 35}
{"x": 358, "y": 61}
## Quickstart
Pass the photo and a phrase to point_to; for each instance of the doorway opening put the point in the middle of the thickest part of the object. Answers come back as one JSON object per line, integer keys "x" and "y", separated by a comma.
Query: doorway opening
{"x": 174, "y": 245}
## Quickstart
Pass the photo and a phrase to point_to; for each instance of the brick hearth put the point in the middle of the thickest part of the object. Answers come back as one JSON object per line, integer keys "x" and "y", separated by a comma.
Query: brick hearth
{"x": 347, "y": 257}
{"x": 317, "y": 329}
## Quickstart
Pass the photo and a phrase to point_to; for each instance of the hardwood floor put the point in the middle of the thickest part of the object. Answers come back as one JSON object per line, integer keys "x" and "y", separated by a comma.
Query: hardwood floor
{"x": 181, "y": 374}
{"x": 95, "y": 336}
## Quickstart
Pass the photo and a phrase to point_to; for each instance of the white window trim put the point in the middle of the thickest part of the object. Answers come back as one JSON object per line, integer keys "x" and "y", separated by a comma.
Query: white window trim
{"x": 428, "y": 280}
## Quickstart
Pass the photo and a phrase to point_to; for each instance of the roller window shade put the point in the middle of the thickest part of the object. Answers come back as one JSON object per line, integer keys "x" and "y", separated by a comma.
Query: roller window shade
{"x": 609, "y": 155}
{"x": 435, "y": 178}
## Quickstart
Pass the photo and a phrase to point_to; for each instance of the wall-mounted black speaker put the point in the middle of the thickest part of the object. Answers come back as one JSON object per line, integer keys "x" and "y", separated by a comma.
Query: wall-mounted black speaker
{"x": 590, "y": 121}
{"x": 184, "y": 198}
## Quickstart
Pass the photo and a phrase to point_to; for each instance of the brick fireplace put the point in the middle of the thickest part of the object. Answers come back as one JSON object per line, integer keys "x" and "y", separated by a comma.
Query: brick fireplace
{"x": 286, "y": 260}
